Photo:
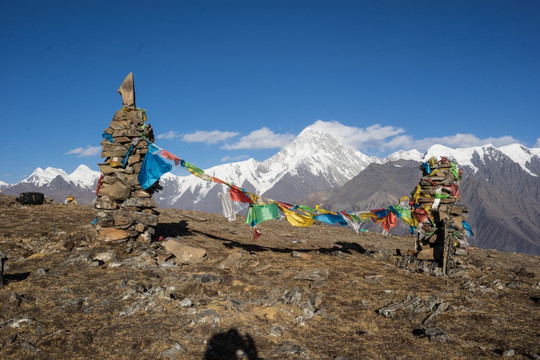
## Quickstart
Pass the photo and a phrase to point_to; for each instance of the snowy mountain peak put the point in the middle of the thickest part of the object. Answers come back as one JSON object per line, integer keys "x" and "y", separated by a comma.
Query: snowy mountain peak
{"x": 84, "y": 176}
{"x": 464, "y": 156}
{"x": 519, "y": 154}
{"x": 42, "y": 177}
{"x": 414, "y": 155}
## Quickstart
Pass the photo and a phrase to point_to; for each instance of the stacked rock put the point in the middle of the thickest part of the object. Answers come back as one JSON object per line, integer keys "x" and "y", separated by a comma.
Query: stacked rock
{"x": 123, "y": 209}
{"x": 441, "y": 223}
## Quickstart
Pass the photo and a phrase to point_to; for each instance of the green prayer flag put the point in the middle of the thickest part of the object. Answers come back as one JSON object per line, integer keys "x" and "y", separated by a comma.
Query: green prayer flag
{"x": 454, "y": 170}
{"x": 259, "y": 213}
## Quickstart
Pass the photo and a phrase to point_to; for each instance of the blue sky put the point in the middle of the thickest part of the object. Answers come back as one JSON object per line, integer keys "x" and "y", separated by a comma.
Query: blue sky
{"x": 228, "y": 80}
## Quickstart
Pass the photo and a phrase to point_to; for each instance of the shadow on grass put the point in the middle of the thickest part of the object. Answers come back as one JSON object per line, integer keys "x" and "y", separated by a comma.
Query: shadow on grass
{"x": 341, "y": 246}
{"x": 231, "y": 345}
{"x": 8, "y": 278}
{"x": 173, "y": 229}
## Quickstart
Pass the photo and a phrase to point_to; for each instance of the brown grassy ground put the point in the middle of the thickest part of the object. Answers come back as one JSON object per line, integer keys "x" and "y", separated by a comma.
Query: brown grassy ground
{"x": 60, "y": 302}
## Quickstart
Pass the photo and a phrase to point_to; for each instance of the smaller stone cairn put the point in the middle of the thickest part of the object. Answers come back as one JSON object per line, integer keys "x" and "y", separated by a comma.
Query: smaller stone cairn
{"x": 123, "y": 209}
{"x": 442, "y": 233}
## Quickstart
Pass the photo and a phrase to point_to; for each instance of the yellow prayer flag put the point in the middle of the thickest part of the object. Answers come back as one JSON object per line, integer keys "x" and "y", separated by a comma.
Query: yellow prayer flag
{"x": 296, "y": 219}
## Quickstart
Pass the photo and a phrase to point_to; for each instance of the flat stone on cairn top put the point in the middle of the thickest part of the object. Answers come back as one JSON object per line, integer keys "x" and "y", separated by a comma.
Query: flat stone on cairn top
{"x": 127, "y": 90}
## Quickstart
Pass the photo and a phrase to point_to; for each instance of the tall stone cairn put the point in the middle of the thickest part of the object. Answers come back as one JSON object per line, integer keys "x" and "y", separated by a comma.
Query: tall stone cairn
{"x": 442, "y": 234}
{"x": 123, "y": 210}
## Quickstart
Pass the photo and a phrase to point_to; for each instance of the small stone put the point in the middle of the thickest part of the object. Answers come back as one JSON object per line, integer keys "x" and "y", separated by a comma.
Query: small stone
{"x": 514, "y": 284}
{"x": 186, "y": 302}
{"x": 374, "y": 277}
{"x": 15, "y": 298}
{"x": 289, "y": 348}
{"x": 313, "y": 275}
{"x": 105, "y": 256}
{"x": 113, "y": 234}
{"x": 172, "y": 352}
{"x": 299, "y": 320}
{"x": 509, "y": 353}
{"x": 192, "y": 311}
{"x": 276, "y": 331}
{"x": 207, "y": 316}
{"x": 437, "y": 335}
{"x": 293, "y": 296}
{"x": 231, "y": 261}
{"x": 167, "y": 265}
{"x": 140, "y": 228}
{"x": 41, "y": 272}
{"x": 307, "y": 313}
{"x": 272, "y": 297}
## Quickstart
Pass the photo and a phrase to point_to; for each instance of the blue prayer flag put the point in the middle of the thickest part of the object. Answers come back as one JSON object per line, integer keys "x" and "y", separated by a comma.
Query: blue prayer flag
{"x": 153, "y": 167}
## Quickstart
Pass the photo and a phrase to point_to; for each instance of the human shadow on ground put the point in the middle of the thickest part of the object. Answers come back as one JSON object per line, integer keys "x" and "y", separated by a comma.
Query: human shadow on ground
{"x": 231, "y": 345}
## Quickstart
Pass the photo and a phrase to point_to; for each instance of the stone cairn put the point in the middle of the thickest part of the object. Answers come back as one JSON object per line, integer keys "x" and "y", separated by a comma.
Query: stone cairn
{"x": 442, "y": 234}
{"x": 123, "y": 210}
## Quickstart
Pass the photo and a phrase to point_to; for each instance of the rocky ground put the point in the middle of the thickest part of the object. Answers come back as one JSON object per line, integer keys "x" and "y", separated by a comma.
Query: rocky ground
{"x": 295, "y": 293}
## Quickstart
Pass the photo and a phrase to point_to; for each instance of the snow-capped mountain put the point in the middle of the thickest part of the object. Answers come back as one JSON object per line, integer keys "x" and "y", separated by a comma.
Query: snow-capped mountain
{"x": 57, "y": 184}
{"x": 83, "y": 176}
{"x": 313, "y": 161}
{"x": 500, "y": 186}
{"x": 3, "y": 184}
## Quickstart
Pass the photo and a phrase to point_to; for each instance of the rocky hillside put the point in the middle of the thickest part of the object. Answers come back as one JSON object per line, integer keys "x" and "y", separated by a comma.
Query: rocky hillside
{"x": 296, "y": 293}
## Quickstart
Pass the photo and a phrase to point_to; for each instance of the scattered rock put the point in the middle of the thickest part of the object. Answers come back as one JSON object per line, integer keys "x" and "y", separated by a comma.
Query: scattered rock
{"x": 514, "y": 284}
{"x": 272, "y": 297}
{"x": 207, "y": 316}
{"x": 289, "y": 348}
{"x": 173, "y": 352}
{"x": 15, "y": 298}
{"x": 434, "y": 334}
{"x": 186, "y": 302}
{"x": 185, "y": 254}
{"x": 509, "y": 353}
{"x": 231, "y": 261}
{"x": 382, "y": 252}
{"x": 113, "y": 234}
{"x": 292, "y": 296}
{"x": 148, "y": 301}
{"x": 105, "y": 256}
{"x": 276, "y": 331}
{"x": 313, "y": 275}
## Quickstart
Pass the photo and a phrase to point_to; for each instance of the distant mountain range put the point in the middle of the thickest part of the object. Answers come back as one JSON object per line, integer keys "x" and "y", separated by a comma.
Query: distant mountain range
{"x": 500, "y": 186}
{"x": 57, "y": 185}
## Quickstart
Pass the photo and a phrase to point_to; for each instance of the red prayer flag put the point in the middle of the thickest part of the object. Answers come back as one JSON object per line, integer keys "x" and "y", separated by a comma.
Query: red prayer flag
{"x": 167, "y": 155}
{"x": 238, "y": 195}
{"x": 99, "y": 183}
{"x": 256, "y": 233}
{"x": 390, "y": 221}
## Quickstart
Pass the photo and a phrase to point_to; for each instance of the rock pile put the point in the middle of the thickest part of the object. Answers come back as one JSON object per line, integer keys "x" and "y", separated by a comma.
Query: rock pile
{"x": 441, "y": 227}
{"x": 123, "y": 209}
